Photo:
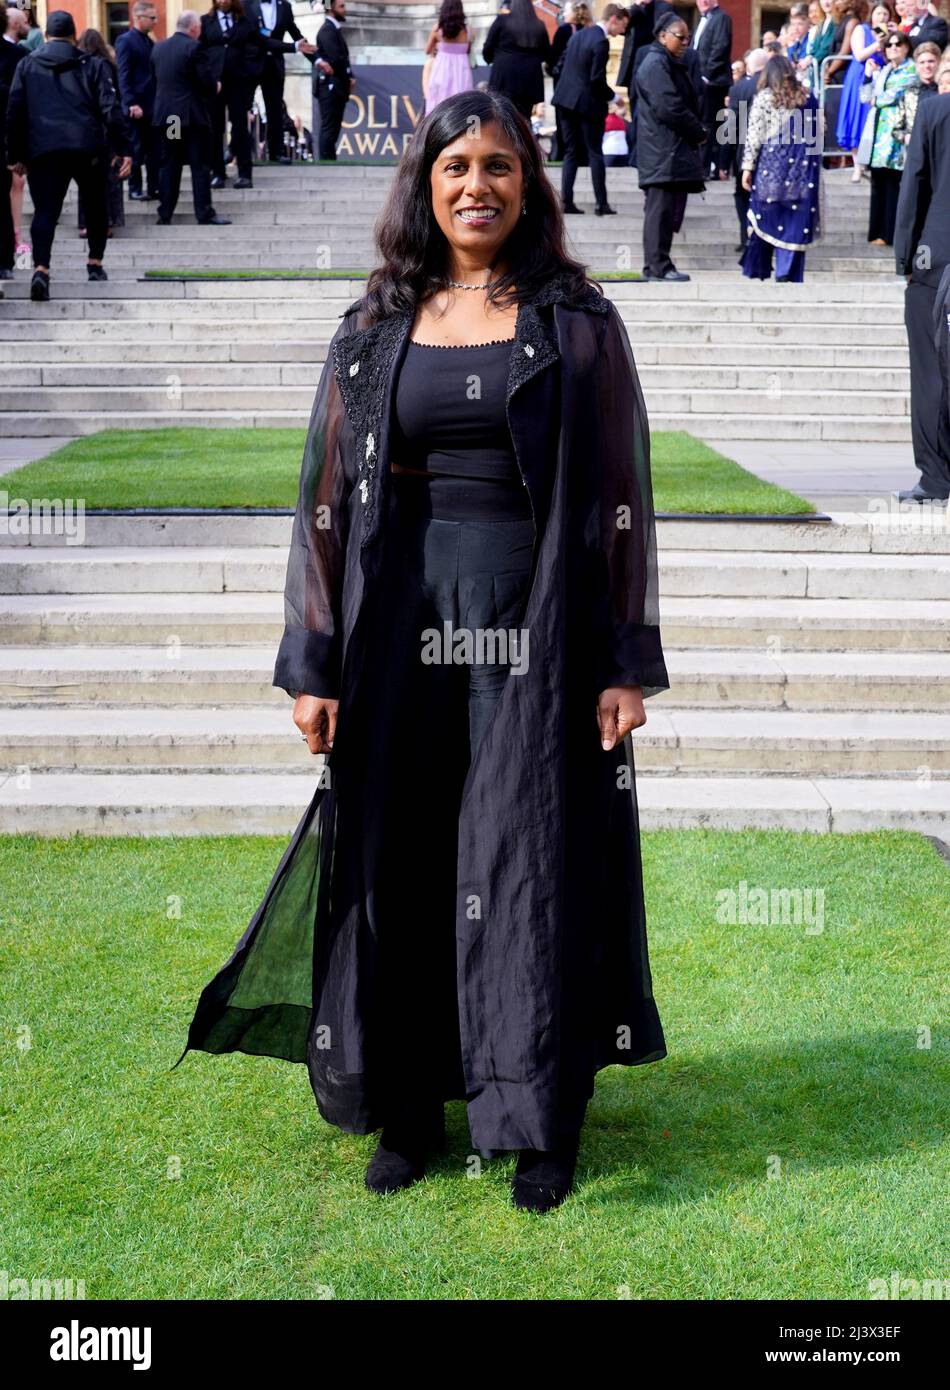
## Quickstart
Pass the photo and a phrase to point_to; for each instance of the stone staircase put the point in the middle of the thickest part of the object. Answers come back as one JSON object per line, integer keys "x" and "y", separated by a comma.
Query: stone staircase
{"x": 809, "y": 664}
{"x": 722, "y": 357}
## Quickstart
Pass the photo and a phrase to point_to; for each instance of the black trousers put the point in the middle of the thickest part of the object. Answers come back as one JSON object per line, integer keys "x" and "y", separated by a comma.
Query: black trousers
{"x": 7, "y": 239}
{"x": 272, "y": 90}
{"x": 582, "y": 130}
{"x": 145, "y": 155}
{"x": 662, "y": 216}
{"x": 332, "y": 105}
{"x": 715, "y": 155}
{"x": 233, "y": 103}
{"x": 741, "y": 199}
{"x": 885, "y": 191}
{"x": 929, "y": 424}
{"x": 473, "y": 575}
{"x": 194, "y": 149}
{"x": 49, "y": 178}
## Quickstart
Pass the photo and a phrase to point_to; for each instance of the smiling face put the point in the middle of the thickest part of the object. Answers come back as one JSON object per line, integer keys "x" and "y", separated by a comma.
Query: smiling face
{"x": 477, "y": 187}
{"x": 926, "y": 66}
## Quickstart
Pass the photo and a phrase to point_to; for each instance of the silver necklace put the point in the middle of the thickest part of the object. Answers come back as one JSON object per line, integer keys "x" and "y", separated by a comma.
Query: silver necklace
{"x": 458, "y": 285}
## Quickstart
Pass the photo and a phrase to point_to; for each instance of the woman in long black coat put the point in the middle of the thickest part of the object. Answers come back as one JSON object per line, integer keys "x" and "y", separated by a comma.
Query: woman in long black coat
{"x": 460, "y": 911}
{"x": 670, "y": 134}
{"x": 517, "y": 45}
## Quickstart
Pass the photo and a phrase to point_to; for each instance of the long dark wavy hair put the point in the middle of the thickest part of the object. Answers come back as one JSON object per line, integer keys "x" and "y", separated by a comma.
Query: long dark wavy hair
{"x": 451, "y": 19}
{"x": 779, "y": 76}
{"x": 412, "y": 247}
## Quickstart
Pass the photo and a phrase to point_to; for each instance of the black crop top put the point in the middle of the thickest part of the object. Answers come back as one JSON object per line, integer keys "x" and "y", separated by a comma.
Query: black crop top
{"x": 450, "y": 415}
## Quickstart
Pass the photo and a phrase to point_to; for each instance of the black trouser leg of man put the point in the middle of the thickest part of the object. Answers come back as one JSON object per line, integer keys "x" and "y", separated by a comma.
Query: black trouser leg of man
{"x": 572, "y": 134}
{"x": 331, "y": 119}
{"x": 593, "y": 127}
{"x": 91, "y": 173}
{"x": 714, "y": 102}
{"x": 48, "y": 179}
{"x": 659, "y": 216}
{"x": 238, "y": 96}
{"x": 742, "y": 202}
{"x": 272, "y": 90}
{"x": 7, "y": 239}
{"x": 169, "y": 177}
{"x": 929, "y": 427}
{"x": 199, "y": 159}
{"x": 145, "y": 156}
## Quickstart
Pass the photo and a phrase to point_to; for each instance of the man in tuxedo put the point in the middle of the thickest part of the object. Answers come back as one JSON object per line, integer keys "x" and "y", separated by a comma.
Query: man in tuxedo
{"x": 184, "y": 90}
{"x": 927, "y": 25}
{"x": 276, "y": 20}
{"x": 639, "y": 36}
{"x": 922, "y": 253}
{"x": 236, "y": 48}
{"x": 133, "y": 56}
{"x": 582, "y": 94}
{"x": 712, "y": 40}
{"x": 10, "y": 54}
{"x": 333, "y": 78}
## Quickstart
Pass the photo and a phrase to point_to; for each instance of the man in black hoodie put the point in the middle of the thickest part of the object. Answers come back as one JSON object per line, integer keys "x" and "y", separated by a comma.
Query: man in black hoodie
{"x": 65, "y": 122}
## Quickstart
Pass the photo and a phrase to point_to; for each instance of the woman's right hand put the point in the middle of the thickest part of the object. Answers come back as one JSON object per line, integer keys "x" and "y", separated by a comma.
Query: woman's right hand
{"x": 316, "y": 720}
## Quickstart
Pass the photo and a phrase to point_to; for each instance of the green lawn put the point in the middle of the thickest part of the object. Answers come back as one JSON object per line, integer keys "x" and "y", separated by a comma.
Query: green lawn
{"x": 789, "y": 1052}
{"x": 260, "y": 468}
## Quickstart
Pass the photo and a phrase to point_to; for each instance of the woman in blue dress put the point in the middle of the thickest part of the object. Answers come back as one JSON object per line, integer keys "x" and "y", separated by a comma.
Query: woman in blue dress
{"x": 781, "y": 170}
{"x": 867, "y": 45}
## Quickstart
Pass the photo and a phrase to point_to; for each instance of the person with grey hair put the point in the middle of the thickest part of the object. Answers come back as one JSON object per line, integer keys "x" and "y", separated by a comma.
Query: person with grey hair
{"x": 740, "y": 98}
{"x": 184, "y": 89}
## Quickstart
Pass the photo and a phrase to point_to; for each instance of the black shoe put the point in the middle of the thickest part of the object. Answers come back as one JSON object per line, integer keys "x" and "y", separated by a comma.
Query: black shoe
{"x": 917, "y": 494}
{"x": 39, "y": 286}
{"x": 215, "y": 221}
{"x": 404, "y": 1149}
{"x": 163, "y": 221}
{"x": 740, "y": 246}
{"x": 96, "y": 272}
{"x": 136, "y": 195}
{"x": 571, "y": 207}
{"x": 243, "y": 183}
{"x": 219, "y": 181}
{"x": 670, "y": 275}
{"x": 544, "y": 1177}
{"x": 603, "y": 210}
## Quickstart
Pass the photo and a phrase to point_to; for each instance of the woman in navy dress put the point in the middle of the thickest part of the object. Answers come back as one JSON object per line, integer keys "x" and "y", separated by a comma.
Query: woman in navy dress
{"x": 781, "y": 169}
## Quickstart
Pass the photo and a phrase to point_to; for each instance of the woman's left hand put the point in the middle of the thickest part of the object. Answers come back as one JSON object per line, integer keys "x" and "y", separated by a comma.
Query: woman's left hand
{"x": 619, "y": 710}
{"x": 747, "y": 180}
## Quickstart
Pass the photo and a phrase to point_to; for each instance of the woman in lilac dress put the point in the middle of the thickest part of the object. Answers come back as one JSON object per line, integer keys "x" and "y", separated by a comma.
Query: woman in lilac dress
{"x": 781, "y": 169}
{"x": 450, "y": 41}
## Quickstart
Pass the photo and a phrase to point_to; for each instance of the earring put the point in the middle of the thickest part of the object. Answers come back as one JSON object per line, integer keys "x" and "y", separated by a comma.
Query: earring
{"x": 524, "y": 206}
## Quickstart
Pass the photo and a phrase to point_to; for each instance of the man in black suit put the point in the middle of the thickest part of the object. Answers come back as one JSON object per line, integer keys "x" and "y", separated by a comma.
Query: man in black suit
{"x": 582, "y": 94}
{"x": 276, "y": 19}
{"x": 133, "y": 56}
{"x": 332, "y": 77}
{"x": 741, "y": 97}
{"x": 929, "y": 26}
{"x": 236, "y": 48}
{"x": 922, "y": 253}
{"x": 712, "y": 40}
{"x": 10, "y": 54}
{"x": 184, "y": 89}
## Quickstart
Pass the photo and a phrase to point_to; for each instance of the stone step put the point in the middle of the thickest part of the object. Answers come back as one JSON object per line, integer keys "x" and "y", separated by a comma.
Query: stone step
{"x": 23, "y": 384}
{"x": 268, "y": 803}
{"x": 227, "y": 619}
{"x": 263, "y": 738}
{"x": 683, "y": 573}
{"x": 888, "y": 528}
{"x": 182, "y": 675}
